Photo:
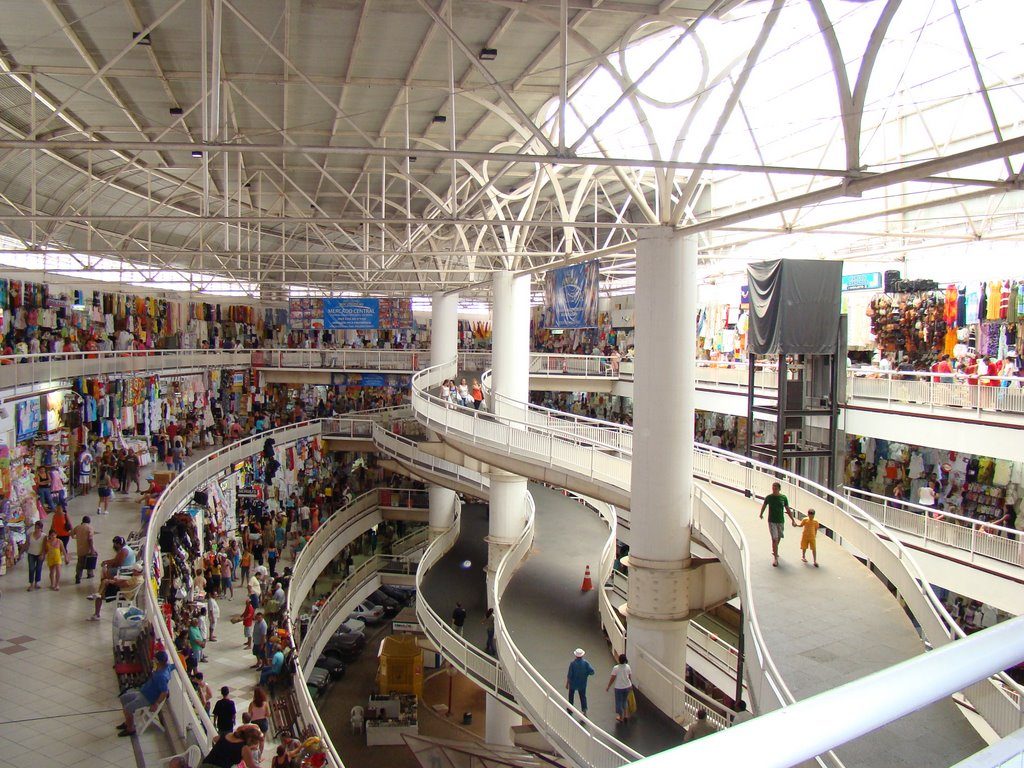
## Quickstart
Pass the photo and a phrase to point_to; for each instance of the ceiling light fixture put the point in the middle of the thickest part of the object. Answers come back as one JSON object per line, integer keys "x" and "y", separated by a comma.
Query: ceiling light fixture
{"x": 143, "y": 39}
{"x": 488, "y": 54}
{"x": 197, "y": 153}
{"x": 176, "y": 111}
{"x": 439, "y": 119}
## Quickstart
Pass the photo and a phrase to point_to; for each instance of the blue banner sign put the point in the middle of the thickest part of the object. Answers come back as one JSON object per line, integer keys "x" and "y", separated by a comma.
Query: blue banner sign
{"x": 863, "y": 281}
{"x": 29, "y": 417}
{"x": 570, "y": 296}
{"x": 352, "y": 314}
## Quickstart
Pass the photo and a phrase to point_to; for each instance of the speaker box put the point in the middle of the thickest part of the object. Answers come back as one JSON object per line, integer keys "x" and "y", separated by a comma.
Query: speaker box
{"x": 891, "y": 278}
{"x": 200, "y": 498}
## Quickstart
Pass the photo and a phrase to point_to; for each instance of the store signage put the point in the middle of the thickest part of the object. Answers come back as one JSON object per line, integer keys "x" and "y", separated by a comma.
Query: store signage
{"x": 29, "y": 417}
{"x": 351, "y": 314}
{"x": 242, "y": 493}
{"x": 570, "y": 296}
{"x": 863, "y": 281}
{"x": 370, "y": 380}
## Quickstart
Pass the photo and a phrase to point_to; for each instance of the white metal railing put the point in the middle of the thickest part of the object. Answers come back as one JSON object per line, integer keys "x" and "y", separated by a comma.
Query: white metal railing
{"x": 485, "y": 670}
{"x": 563, "y": 725}
{"x": 977, "y": 394}
{"x": 183, "y": 701}
{"x": 997, "y": 701}
{"x": 399, "y": 360}
{"x": 19, "y": 371}
{"x": 700, "y": 639}
{"x": 336, "y": 608}
{"x": 996, "y": 394}
{"x": 666, "y": 688}
{"x": 790, "y": 737}
{"x": 337, "y": 531}
{"x": 973, "y": 537}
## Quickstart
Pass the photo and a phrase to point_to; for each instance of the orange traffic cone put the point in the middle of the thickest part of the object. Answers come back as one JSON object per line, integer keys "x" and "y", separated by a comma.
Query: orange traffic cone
{"x": 587, "y": 583}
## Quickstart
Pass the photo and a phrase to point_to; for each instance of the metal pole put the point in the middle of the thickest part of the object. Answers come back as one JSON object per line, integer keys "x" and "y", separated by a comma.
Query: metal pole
{"x": 740, "y": 649}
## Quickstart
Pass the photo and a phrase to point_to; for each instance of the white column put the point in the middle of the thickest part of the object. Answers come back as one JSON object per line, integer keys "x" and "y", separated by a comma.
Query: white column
{"x": 442, "y": 509}
{"x": 507, "y": 506}
{"x": 510, "y": 379}
{"x": 499, "y": 721}
{"x": 510, "y": 355}
{"x": 662, "y": 469}
{"x": 444, "y": 327}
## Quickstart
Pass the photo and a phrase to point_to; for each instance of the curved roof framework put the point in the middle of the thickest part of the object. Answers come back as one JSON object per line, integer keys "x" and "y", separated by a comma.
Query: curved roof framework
{"x": 407, "y": 146}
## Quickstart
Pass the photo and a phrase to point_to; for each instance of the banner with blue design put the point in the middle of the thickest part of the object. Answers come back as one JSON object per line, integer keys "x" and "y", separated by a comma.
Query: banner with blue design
{"x": 352, "y": 314}
{"x": 570, "y": 296}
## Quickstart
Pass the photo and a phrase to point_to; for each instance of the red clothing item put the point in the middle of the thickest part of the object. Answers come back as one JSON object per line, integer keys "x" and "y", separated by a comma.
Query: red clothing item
{"x": 993, "y": 370}
{"x": 172, "y": 430}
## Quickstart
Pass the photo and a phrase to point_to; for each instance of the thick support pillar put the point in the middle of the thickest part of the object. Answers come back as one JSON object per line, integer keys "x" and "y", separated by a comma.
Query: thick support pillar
{"x": 499, "y": 722}
{"x": 444, "y": 327}
{"x": 510, "y": 356}
{"x": 510, "y": 382}
{"x": 442, "y": 509}
{"x": 507, "y": 513}
{"x": 660, "y": 566}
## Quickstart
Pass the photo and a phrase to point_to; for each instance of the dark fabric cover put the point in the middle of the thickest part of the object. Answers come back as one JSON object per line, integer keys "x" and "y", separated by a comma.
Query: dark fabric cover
{"x": 794, "y": 306}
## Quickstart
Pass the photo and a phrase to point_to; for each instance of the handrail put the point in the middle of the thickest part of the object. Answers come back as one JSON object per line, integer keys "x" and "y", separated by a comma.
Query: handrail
{"x": 810, "y": 726}
{"x": 564, "y": 725}
{"x": 739, "y": 473}
{"x": 973, "y": 537}
{"x": 929, "y": 511}
{"x": 689, "y": 698}
{"x": 186, "y": 705}
{"x": 477, "y": 665}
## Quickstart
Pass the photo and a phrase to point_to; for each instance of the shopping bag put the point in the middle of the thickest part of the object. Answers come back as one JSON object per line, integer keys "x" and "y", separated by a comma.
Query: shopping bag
{"x": 631, "y": 702}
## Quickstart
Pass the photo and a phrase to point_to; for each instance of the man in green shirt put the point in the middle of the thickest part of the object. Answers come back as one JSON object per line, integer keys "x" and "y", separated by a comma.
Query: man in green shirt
{"x": 778, "y": 507}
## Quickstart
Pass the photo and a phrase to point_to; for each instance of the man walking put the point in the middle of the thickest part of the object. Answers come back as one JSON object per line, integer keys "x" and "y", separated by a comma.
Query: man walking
{"x": 459, "y": 618}
{"x": 580, "y": 671}
{"x": 778, "y": 507}
{"x": 85, "y": 546}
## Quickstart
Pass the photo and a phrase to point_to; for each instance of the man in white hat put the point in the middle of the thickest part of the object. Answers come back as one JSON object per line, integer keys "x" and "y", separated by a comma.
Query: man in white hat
{"x": 576, "y": 679}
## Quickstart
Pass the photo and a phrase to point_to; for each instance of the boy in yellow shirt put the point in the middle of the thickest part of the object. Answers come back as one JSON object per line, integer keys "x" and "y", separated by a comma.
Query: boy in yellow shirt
{"x": 807, "y": 539}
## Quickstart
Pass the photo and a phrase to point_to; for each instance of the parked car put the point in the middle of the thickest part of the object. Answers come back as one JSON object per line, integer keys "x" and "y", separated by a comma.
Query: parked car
{"x": 345, "y": 645}
{"x": 318, "y": 681}
{"x": 333, "y": 664}
{"x": 368, "y": 612}
{"x": 402, "y": 594}
{"x": 354, "y": 625}
{"x": 388, "y": 603}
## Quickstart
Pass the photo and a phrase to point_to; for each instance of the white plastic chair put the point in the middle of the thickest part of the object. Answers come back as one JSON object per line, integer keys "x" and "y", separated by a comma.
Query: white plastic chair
{"x": 147, "y": 717}
{"x": 356, "y": 717}
{"x": 188, "y": 759}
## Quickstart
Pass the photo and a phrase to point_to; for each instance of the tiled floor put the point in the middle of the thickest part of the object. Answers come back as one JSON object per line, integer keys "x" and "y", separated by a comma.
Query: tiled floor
{"x": 58, "y": 692}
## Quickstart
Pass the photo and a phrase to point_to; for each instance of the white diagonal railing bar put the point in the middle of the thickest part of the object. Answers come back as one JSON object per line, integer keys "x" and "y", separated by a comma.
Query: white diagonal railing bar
{"x": 336, "y": 532}
{"x": 339, "y": 603}
{"x": 563, "y": 725}
{"x": 683, "y": 699}
{"x": 974, "y": 537}
{"x": 184, "y": 702}
{"x": 791, "y": 736}
{"x": 485, "y": 670}
{"x": 606, "y": 435}
{"x": 996, "y": 700}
